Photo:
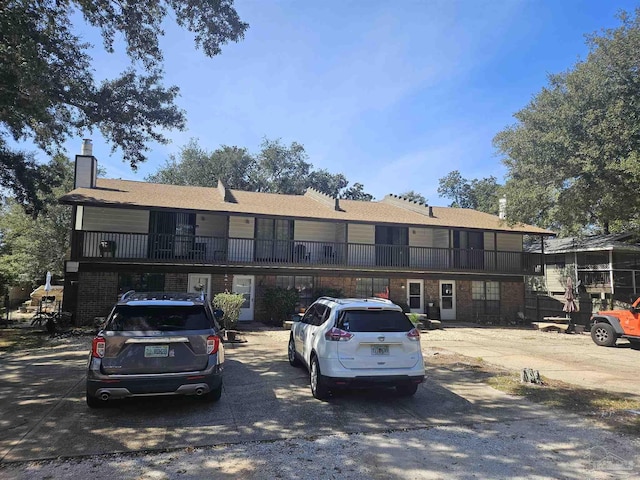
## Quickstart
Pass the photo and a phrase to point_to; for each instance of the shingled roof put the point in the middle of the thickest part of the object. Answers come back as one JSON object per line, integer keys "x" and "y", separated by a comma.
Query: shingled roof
{"x": 133, "y": 194}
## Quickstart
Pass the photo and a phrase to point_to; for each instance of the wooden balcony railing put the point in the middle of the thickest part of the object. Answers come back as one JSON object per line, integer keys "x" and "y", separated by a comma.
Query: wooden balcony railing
{"x": 160, "y": 248}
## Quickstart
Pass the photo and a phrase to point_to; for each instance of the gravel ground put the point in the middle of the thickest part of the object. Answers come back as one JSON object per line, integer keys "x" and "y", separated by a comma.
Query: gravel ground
{"x": 509, "y": 450}
{"x": 551, "y": 446}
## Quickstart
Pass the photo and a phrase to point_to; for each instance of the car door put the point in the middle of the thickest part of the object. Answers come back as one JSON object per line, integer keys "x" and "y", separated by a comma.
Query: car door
{"x": 300, "y": 330}
{"x": 313, "y": 330}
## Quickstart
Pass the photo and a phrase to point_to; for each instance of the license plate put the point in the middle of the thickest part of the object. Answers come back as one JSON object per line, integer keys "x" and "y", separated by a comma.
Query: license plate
{"x": 153, "y": 351}
{"x": 380, "y": 350}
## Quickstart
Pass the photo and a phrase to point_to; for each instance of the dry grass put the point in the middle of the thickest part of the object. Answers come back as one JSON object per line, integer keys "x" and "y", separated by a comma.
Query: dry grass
{"x": 14, "y": 339}
{"x": 612, "y": 409}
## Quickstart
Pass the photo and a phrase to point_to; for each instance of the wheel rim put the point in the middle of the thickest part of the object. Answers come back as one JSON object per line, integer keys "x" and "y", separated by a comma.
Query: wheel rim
{"x": 291, "y": 351}
{"x": 314, "y": 376}
{"x": 601, "y": 335}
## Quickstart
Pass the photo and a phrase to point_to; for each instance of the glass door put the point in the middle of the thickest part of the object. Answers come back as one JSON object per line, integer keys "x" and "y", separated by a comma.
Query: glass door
{"x": 447, "y": 299}
{"x": 244, "y": 285}
{"x": 415, "y": 296}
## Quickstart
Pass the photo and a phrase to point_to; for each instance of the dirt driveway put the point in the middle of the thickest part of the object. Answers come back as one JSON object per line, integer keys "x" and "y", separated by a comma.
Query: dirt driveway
{"x": 267, "y": 424}
{"x": 572, "y": 358}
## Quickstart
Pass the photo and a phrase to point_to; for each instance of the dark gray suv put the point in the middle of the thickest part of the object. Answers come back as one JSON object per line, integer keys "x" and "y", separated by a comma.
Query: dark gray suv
{"x": 157, "y": 344}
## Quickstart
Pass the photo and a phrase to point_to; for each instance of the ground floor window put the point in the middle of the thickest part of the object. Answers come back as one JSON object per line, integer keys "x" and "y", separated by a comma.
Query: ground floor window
{"x": 140, "y": 282}
{"x": 304, "y": 285}
{"x": 372, "y": 287}
{"x": 486, "y": 298}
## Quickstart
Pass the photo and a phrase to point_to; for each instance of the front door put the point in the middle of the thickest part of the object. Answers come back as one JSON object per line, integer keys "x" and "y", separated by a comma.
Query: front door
{"x": 447, "y": 299}
{"x": 200, "y": 283}
{"x": 244, "y": 285}
{"x": 415, "y": 296}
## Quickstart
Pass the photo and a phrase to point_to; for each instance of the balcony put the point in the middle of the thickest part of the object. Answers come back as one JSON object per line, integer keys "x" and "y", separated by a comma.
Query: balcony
{"x": 166, "y": 248}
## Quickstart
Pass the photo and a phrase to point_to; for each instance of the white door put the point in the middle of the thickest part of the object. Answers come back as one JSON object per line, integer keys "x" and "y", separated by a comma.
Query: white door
{"x": 244, "y": 284}
{"x": 415, "y": 295}
{"x": 198, "y": 282}
{"x": 447, "y": 299}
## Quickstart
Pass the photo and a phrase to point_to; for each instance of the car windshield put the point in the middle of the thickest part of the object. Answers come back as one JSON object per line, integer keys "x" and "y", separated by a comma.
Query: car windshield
{"x": 140, "y": 318}
{"x": 374, "y": 321}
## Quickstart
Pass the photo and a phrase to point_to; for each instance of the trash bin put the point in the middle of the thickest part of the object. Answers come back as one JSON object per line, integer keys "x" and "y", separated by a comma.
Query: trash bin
{"x": 434, "y": 313}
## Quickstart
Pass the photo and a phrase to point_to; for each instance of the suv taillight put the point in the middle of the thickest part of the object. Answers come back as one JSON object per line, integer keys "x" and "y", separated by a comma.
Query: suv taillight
{"x": 97, "y": 347}
{"x": 213, "y": 343}
{"x": 338, "y": 335}
{"x": 413, "y": 334}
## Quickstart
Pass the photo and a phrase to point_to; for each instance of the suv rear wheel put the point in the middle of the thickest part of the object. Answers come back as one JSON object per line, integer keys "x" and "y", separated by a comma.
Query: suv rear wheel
{"x": 602, "y": 334}
{"x": 319, "y": 387}
{"x": 94, "y": 402}
{"x": 212, "y": 396}
{"x": 407, "y": 390}
{"x": 294, "y": 361}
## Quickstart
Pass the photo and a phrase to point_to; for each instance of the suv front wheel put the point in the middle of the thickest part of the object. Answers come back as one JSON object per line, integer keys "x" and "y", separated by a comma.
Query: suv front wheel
{"x": 602, "y": 334}
{"x": 319, "y": 387}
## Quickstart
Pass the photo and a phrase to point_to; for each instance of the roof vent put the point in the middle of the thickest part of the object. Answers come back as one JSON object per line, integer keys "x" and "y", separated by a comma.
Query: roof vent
{"x": 87, "y": 147}
{"x": 502, "y": 208}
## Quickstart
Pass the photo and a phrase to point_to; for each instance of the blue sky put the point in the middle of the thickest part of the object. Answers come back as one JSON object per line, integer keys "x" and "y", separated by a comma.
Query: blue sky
{"x": 393, "y": 94}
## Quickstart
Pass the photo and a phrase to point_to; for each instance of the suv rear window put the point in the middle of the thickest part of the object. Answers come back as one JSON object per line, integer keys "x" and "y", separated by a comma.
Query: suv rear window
{"x": 374, "y": 321}
{"x": 127, "y": 318}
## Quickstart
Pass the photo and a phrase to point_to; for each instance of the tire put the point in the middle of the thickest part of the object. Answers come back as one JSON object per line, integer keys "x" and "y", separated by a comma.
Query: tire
{"x": 602, "y": 334}
{"x": 318, "y": 383}
{"x": 294, "y": 361}
{"x": 94, "y": 402}
{"x": 213, "y": 396}
{"x": 407, "y": 390}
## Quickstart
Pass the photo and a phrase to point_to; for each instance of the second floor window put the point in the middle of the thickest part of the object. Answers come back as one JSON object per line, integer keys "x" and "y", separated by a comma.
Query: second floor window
{"x": 274, "y": 239}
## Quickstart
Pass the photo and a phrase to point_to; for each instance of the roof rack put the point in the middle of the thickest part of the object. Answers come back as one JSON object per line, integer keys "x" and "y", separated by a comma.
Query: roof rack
{"x": 342, "y": 301}
{"x": 132, "y": 295}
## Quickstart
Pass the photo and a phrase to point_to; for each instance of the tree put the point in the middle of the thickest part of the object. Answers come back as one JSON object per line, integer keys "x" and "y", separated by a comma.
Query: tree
{"x": 48, "y": 91}
{"x": 282, "y": 169}
{"x": 276, "y": 168}
{"x": 356, "y": 193}
{"x": 573, "y": 157}
{"x": 30, "y": 247}
{"x": 414, "y": 197}
{"x": 195, "y": 166}
{"x": 478, "y": 194}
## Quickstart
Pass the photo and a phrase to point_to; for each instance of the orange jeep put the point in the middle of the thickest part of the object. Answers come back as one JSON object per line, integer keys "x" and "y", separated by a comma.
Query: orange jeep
{"x": 607, "y": 327}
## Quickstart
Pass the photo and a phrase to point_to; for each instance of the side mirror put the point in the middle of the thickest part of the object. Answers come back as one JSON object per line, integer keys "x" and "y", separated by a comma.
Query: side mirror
{"x": 218, "y": 314}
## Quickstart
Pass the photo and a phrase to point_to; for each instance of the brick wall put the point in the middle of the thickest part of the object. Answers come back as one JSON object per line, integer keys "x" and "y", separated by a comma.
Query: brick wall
{"x": 464, "y": 301}
{"x": 97, "y": 293}
{"x": 512, "y": 299}
{"x": 176, "y": 282}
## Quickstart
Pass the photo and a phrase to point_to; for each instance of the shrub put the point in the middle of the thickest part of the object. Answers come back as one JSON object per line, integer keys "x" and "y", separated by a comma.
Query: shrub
{"x": 414, "y": 317}
{"x": 230, "y": 304}
{"x": 279, "y": 303}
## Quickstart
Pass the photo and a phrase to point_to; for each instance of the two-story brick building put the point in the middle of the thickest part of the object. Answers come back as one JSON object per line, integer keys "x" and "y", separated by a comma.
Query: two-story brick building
{"x": 146, "y": 236}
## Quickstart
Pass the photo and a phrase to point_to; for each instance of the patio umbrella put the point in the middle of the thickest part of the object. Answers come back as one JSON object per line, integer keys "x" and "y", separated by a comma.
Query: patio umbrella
{"x": 47, "y": 283}
{"x": 569, "y": 300}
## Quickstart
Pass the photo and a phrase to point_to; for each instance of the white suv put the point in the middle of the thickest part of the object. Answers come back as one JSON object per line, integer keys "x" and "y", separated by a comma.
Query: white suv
{"x": 355, "y": 342}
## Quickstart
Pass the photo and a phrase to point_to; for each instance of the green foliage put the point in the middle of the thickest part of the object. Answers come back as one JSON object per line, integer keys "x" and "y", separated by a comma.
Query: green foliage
{"x": 477, "y": 194}
{"x": 48, "y": 92}
{"x": 356, "y": 193}
{"x": 230, "y": 304}
{"x": 30, "y": 247}
{"x": 279, "y": 304}
{"x": 326, "y": 292}
{"x": 414, "y": 197}
{"x": 573, "y": 157}
{"x": 276, "y": 168}
{"x": 414, "y": 317}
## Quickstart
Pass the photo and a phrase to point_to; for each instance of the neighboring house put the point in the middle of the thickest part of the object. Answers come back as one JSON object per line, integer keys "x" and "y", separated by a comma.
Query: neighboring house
{"x": 144, "y": 236}
{"x": 606, "y": 266}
